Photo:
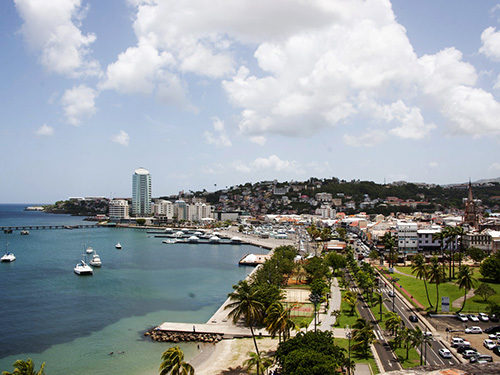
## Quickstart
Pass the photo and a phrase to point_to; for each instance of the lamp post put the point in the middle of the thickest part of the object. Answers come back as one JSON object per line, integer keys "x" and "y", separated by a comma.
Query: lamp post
{"x": 394, "y": 281}
{"x": 348, "y": 334}
{"x": 314, "y": 298}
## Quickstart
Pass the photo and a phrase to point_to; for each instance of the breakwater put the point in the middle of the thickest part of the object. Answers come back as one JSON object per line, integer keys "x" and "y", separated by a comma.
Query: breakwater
{"x": 165, "y": 336}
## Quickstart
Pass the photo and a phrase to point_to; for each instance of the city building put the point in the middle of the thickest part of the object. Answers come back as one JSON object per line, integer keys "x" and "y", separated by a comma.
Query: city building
{"x": 407, "y": 237}
{"x": 163, "y": 210}
{"x": 426, "y": 243}
{"x": 141, "y": 193}
{"x": 118, "y": 209}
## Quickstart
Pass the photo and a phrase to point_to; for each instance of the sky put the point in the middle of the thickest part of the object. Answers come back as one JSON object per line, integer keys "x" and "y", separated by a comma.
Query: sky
{"x": 213, "y": 93}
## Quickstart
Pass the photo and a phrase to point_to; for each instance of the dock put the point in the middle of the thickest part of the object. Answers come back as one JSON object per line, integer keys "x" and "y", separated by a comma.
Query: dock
{"x": 37, "y": 227}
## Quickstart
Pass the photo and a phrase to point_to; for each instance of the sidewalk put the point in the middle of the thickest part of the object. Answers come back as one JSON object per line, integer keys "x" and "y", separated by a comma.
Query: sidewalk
{"x": 325, "y": 321}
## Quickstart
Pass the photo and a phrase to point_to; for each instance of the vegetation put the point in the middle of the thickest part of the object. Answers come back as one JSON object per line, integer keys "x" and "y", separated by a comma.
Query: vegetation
{"x": 173, "y": 363}
{"x": 25, "y": 368}
{"x": 485, "y": 291}
{"x": 312, "y": 353}
{"x": 490, "y": 266}
{"x": 465, "y": 281}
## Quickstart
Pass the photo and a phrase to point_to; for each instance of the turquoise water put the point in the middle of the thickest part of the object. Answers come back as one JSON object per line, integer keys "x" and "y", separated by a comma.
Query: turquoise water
{"x": 73, "y": 322}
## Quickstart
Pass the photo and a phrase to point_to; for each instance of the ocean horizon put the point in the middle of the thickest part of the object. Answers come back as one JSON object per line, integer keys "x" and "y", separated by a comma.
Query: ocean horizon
{"x": 73, "y": 322}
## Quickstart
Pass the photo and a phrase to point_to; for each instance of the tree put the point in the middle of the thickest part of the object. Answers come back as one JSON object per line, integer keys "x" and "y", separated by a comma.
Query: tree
{"x": 465, "y": 281}
{"x": 311, "y": 353}
{"x": 460, "y": 232}
{"x": 25, "y": 368}
{"x": 363, "y": 337}
{"x": 416, "y": 340}
{"x": 258, "y": 361}
{"x": 485, "y": 291}
{"x": 476, "y": 254}
{"x": 336, "y": 314}
{"x": 350, "y": 298}
{"x": 336, "y": 261}
{"x": 490, "y": 266}
{"x": 278, "y": 321}
{"x": 379, "y": 300}
{"x": 493, "y": 308}
{"x": 419, "y": 268}
{"x": 245, "y": 305}
{"x": 437, "y": 275}
{"x": 173, "y": 363}
{"x": 392, "y": 322}
{"x": 140, "y": 221}
{"x": 389, "y": 242}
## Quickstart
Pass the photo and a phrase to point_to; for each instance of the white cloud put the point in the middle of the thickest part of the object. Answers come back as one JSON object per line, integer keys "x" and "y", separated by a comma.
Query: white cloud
{"x": 491, "y": 43}
{"x": 272, "y": 163}
{"x": 433, "y": 164}
{"x": 121, "y": 138}
{"x": 79, "y": 104}
{"x": 258, "y": 139}
{"x": 494, "y": 167}
{"x": 51, "y": 28}
{"x": 45, "y": 130}
{"x": 367, "y": 139}
{"x": 220, "y": 138}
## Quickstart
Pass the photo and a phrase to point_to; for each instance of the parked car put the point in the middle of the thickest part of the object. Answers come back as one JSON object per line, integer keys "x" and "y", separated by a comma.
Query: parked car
{"x": 489, "y": 344}
{"x": 494, "y": 336}
{"x": 483, "y": 317}
{"x": 462, "y": 317}
{"x": 496, "y": 350}
{"x": 492, "y": 329}
{"x": 413, "y": 318}
{"x": 457, "y": 341}
{"x": 463, "y": 348}
{"x": 445, "y": 353}
{"x": 469, "y": 354}
{"x": 493, "y": 318}
{"x": 391, "y": 293}
{"x": 472, "y": 318}
{"x": 482, "y": 358}
{"x": 473, "y": 329}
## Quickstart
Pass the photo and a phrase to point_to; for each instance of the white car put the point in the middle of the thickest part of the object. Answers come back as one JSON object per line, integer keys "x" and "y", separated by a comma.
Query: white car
{"x": 474, "y": 329}
{"x": 472, "y": 318}
{"x": 483, "y": 317}
{"x": 458, "y": 341}
{"x": 489, "y": 344}
{"x": 462, "y": 317}
{"x": 445, "y": 353}
{"x": 427, "y": 335}
{"x": 494, "y": 336}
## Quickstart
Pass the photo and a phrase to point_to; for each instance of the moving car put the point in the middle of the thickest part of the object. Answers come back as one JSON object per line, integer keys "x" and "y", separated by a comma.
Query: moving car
{"x": 472, "y": 318}
{"x": 473, "y": 329}
{"x": 489, "y": 344}
{"x": 462, "y": 317}
{"x": 483, "y": 317}
{"x": 445, "y": 353}
{"x": 391, "y": 293}
{"x": 413, "y": 318}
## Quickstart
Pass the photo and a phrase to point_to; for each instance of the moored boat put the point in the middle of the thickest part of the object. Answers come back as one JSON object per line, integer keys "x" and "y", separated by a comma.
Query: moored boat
{"x": 83, "y": 268}
{"x": 96, "y": 260}
{"x": 8, "y": 256}
{"x": 118, "y": 246}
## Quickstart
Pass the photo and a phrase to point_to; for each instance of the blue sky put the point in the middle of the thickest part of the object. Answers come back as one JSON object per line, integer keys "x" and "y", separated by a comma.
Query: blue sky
{"x": 207, "y": 94}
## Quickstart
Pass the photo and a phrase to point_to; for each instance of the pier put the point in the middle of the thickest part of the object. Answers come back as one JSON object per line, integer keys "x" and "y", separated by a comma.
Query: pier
{"x": 37, "y": 227}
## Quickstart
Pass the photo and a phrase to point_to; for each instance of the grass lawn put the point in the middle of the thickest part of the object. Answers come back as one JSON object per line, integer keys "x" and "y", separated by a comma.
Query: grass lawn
{"x": 413, "y": 357}
{"x": 345, "y": 318}
{"x": 344, "y": 343}
{"x": 416, "y": 288}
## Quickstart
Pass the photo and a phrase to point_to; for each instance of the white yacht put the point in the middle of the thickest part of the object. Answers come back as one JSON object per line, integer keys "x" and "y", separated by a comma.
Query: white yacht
{"x": 96, "y": 260}
{"x": 83, "y": 268}
{"x": 118, "y": 246}
{"x": 8, "y": 257}
{"x": 89, "y": 250}
{"x": 214, "y": 239}
{"x": 170, "y": 240}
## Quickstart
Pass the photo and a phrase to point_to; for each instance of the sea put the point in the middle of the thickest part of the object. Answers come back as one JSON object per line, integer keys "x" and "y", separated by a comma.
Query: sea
{"x": 95, "y": 324}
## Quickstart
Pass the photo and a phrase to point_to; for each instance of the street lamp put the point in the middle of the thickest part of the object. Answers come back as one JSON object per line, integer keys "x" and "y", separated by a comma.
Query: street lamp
{"x": 348, "y": 334}
{"x": 394, "y": 281}
{"x": 315, "y": 298}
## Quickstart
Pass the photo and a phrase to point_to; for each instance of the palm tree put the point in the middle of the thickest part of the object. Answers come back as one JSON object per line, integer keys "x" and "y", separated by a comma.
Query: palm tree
{"x": 419, "y": 268}
{"x": 440, "y": 236}
{"x": 466, "y": 281}
{"x": 437, "y": 275}
{"x": 278, "y": 321}
{"x": 261, "y": 363}
{"x": 25, "y": 368}
{"x": 350, "y": 299}
{"x": 417, "y": 337}
{"x": 389, "y": 242}
{"x": 245, "y": 305}
{"x": 392, "y": 322}
{"x": 173, "y": 363}
{"x": 363, "y": 336}
{"x": 379, "y": 300}
{"x": 459, "y": 232}
{"x": 451, "y": 234}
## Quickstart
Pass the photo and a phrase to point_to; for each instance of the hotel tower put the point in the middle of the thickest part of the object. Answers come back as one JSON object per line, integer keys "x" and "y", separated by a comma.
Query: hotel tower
{"x": 141, "y": 193}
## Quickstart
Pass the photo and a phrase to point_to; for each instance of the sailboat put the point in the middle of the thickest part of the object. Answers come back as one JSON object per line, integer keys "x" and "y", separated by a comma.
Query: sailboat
{"x": 8, "y": 256}
{"x": 118, "y": 246}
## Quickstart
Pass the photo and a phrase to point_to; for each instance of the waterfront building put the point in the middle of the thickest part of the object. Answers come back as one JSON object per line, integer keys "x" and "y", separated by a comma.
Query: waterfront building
{"x": 181, "y": 210}
{"x": 118, "y": 209}
{"x": 141, "y": 193}
{"x": 163, "y": 210}
{"x": 199, "y": 211}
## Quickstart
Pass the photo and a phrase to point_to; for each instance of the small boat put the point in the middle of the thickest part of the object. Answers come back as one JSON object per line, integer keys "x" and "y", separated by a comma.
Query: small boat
{"x": 170, "y": 240}
{"x": 25, "y": 232}
{"x": 118, "y": 246}
{"x": 83, "y": 268}
{"x": 193, "y": 239}
{"x": 8, "y": 256}
{"x": 214, "y": 239}
{"x": 89, "y": 250}
{"x": 95, "y": 261}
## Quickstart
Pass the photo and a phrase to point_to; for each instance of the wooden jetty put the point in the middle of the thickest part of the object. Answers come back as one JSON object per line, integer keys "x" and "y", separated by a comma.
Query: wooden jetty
{"x": 36, "y": 227}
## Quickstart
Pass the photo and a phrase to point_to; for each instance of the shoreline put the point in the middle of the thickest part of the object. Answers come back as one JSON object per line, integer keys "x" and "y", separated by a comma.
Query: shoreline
{"x": 221, "y": 352}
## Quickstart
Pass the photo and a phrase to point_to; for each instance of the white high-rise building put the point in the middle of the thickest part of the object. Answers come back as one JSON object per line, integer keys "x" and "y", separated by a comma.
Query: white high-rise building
{"x": 163, "y": 209}
{"x": 118, "y": 209}
{"x": 141, "y": 193}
